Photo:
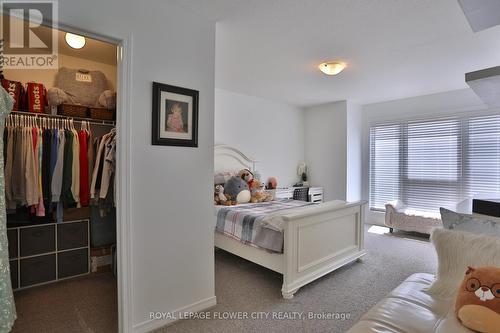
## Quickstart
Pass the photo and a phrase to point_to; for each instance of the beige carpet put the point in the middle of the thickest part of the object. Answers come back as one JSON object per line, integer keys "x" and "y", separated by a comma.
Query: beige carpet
{"x": 89, "y": 304}
{"x": 244, "y": 286}
{"x": 85, "y": 304}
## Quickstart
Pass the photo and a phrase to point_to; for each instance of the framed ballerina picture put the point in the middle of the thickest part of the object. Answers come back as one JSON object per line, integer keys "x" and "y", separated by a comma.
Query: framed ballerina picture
{"x": 175, "y": 116}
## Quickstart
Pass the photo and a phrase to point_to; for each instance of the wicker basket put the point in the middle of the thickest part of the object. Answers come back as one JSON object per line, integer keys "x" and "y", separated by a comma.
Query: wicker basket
{"x": 102, "y": 114}
{"x": 71, "y": 110}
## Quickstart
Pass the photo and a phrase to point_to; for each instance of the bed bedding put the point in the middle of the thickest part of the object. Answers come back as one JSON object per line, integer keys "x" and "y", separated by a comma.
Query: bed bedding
{"x": 257, "y": 224}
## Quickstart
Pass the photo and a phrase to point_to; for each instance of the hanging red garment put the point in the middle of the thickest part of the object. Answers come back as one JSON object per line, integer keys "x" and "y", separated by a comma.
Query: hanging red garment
{"x": 84, "y": 169}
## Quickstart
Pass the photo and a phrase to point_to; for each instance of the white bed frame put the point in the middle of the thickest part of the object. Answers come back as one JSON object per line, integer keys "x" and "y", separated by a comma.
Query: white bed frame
{"x": 317, "y": 240}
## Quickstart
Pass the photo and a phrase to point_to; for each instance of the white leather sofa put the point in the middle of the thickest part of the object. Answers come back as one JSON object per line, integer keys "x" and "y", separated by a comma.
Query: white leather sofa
{"x": 410, "y": 309}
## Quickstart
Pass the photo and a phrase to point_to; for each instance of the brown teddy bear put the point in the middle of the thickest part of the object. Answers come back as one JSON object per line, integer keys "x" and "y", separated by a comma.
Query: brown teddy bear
{"x": 478, "y": 301}
{"x": 219, "y": 196}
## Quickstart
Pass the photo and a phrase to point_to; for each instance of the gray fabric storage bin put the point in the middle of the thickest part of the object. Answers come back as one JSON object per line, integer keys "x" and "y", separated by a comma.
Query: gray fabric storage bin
{"x": 37, "y": 240}
{"x": 102, "y": 229}
{"x": 38, "y": 269}
{"x": 71, "y": 263}
{"x": 72, "y": 235}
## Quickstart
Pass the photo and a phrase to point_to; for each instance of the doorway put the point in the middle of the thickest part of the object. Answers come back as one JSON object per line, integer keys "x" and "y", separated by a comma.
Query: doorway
{"x": 79, "y": 298}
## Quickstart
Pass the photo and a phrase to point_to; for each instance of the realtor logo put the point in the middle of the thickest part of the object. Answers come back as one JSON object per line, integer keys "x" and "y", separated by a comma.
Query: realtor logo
{"x": 29, "y": 34}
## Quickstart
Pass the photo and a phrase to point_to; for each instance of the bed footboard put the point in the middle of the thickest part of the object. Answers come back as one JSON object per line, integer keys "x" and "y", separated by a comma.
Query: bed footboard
{"x": 319, "y": 240}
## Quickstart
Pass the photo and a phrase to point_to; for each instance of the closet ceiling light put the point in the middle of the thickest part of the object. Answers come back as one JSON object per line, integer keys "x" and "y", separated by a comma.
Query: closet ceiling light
{"x": 331, "y": 68}
{"x": 75, "y": 41}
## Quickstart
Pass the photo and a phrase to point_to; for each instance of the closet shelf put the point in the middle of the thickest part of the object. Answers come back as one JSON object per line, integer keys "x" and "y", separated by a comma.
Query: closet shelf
{"x": 75, "y": 119}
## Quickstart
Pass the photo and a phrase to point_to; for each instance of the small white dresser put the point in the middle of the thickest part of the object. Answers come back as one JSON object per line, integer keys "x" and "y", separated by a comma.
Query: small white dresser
{"x": 315, "y": 194}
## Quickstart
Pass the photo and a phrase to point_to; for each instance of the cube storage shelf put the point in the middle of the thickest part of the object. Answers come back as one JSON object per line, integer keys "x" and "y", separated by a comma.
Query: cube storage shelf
{"x": 45, "y": 253}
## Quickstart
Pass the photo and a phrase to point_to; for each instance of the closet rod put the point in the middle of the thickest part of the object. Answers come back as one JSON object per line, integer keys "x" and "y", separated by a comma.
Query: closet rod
{"x": 75, "y": 119}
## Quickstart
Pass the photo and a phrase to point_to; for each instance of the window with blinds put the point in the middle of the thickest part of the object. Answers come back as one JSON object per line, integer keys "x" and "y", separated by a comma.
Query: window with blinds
{"x": 434, "y": 163}
{"x": 482, "y": 167}
{"x": 384, "y": 164}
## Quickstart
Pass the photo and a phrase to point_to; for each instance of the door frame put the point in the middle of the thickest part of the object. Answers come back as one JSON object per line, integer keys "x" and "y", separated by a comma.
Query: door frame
{"x": 123, "y": 174}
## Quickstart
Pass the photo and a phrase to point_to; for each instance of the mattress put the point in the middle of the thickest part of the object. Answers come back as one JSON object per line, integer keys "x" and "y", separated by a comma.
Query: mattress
{"x": 257, "y": 224}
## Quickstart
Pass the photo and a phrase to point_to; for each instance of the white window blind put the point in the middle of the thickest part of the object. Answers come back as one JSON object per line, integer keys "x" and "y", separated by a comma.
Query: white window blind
{"x": 435, "y": 163}
{"x": 432, "y": 164}
{"x": 482, "y": 167}
{"x": 385, "y": 142}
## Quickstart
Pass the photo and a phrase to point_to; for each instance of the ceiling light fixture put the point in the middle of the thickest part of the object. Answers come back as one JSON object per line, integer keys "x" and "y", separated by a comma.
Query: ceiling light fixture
{"x": 331, "y": 68}
{"x": 75, "y": 41}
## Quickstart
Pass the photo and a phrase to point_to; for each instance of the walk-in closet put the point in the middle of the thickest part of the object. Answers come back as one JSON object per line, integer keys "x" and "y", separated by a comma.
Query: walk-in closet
{"x": 59, "y": 148}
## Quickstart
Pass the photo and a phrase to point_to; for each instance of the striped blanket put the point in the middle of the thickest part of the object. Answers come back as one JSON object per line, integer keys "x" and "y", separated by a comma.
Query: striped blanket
{"x": 251, "y": 223}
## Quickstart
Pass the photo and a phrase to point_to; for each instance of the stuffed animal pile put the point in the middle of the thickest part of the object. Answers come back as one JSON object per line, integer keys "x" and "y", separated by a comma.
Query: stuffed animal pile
{"x": 478, "y": 301}
{"x": 242, "y": 188}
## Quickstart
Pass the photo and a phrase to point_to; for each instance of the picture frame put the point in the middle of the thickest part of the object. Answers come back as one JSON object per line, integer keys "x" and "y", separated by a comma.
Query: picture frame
{"x": 175, "y": 116}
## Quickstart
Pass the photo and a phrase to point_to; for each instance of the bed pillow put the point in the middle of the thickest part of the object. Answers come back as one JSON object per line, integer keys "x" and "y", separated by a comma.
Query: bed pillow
{"x": 476, "y": 224}
{"x": 456, "y": 250}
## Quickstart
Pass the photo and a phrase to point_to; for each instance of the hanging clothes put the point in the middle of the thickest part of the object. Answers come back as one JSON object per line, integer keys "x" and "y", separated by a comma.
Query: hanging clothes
{"x": 56, "y": 185}
{"x": 7, "y": 305}
{"x": 84, "y": 167}
{"x": 46, "y": 168}
{"x": 66, "y": 193}
{"x": 75, "y": 169}
{"x": 18, "y": 179}
{"x": 31, "y": 170}
{"x": 46, "y": 177}
{"x": 9, "y": 196}
{"x": 40, "y": 209}
{"x": 103, "y": 180}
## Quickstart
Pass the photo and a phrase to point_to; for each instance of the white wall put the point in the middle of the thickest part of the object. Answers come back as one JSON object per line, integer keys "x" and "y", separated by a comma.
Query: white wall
{"x": 333, "y": 149}
{"x": 268, "y": 131}
{"x": 326, "y": 148}
{"x": 354, "y": 154}
{"x": 171, "y": 209}
{"x": 435, "y": 105}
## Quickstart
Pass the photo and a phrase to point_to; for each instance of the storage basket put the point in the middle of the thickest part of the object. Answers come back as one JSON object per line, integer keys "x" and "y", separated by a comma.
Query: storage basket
{"x": 72, "y": 110}
{"x": 102, "y": 114}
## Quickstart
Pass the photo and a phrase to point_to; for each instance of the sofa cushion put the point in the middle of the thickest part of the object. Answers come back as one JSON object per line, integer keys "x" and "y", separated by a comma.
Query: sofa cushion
{"x": 477, "y": 224}
{"x": 409, "y": 308}
{"x": 455, "y": 251}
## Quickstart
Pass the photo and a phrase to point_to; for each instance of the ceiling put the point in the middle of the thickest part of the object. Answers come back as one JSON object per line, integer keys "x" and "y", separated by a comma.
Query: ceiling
{"x": 94, "y": 49}
{"x": 393, "y": 48}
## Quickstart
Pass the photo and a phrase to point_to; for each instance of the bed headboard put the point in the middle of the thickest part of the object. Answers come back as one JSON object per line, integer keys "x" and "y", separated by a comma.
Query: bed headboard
{"x": 228, "y": 158}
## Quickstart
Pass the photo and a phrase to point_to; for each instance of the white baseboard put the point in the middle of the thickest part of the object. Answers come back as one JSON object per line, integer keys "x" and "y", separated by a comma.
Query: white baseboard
{"x": 153, "y": 324}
